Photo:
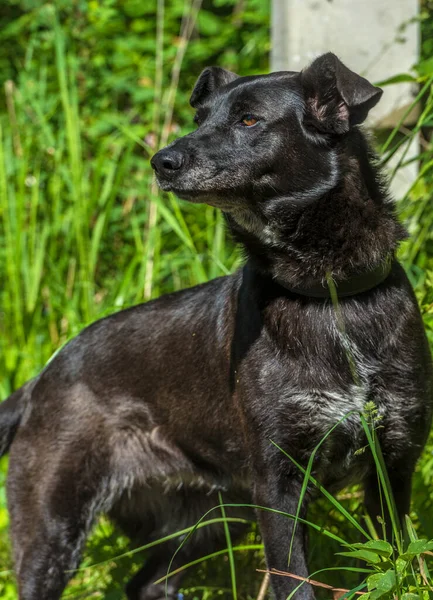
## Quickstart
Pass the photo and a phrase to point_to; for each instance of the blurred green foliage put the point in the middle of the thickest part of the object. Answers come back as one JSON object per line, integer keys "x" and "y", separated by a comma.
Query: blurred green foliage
{"x": 112, "y": 46}
{"x": 88, "y": 91}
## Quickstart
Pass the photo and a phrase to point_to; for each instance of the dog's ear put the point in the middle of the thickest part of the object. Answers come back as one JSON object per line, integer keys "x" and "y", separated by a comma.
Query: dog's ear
{"x": 336, "y": 97}
{"x": 210, "y": 79}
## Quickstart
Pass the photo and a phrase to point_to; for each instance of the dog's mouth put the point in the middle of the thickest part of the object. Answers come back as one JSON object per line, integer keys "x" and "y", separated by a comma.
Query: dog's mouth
{"x": 191, "y": 196}
{"x": 180, "y": 192}
{"x": 195, "y": 196}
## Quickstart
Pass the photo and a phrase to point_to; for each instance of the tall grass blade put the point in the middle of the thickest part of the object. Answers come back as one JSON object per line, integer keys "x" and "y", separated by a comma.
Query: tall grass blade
{"x": 197, "y": 561}
{"x": 73, "y": 136}
{"x": 384, "y": 481}
{"x": 229, "y": 548}
{"x": 416, "y": 101}
{"x": 166, "y": 538}
{"x": 327, "y": 495}
{"x": 307, "y": 475}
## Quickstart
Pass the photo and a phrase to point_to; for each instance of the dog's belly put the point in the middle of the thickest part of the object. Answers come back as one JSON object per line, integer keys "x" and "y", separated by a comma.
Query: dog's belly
{"x": 170, "y": 505}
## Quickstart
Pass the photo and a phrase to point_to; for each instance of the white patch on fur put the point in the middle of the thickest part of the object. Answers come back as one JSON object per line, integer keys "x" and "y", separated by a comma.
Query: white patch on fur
{"x": 251, "y": 222}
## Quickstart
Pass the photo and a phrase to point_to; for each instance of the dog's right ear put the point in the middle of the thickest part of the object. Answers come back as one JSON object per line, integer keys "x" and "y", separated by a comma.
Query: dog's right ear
{"x": 210, "y": 79}
{"x": 336, "y": 97}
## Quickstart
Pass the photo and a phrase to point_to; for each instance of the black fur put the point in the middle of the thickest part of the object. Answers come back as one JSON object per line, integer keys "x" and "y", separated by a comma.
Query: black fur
{"x": 148, "y": 413}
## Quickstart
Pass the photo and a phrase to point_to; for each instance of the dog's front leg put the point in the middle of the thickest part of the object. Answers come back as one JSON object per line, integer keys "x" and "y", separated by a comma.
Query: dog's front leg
{"x": 278, "y": 531}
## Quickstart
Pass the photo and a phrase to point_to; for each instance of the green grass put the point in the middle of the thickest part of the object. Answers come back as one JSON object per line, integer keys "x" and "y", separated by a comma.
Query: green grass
{"x": 84, "y": 233}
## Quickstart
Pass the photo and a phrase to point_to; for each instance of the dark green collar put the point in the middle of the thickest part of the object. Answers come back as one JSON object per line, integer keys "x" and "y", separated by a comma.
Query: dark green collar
{"x": 356, "y": 284}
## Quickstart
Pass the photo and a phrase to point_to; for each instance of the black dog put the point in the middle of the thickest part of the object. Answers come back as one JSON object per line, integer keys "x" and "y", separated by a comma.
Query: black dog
{"x": 147, "y": 414}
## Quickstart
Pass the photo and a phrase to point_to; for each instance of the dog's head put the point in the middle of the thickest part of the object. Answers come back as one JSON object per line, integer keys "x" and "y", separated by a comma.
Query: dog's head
{"x": 265, "y": 136}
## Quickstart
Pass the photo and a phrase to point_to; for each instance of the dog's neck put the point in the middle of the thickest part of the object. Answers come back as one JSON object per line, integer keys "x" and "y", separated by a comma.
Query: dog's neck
{"x": 349, "y": 230}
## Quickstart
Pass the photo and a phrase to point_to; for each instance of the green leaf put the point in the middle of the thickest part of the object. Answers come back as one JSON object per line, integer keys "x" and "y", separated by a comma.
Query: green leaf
{"x": 400, "y": 565}
{"x": 379, "y": 547}
{"x": 370, "y": 557}
{"x": 401, "y": 78}
{"x": 381, "y": 584}
{"x": 373, "y": 581}
{"x": 425, "y": 67}
{"x": 416, "y": 548}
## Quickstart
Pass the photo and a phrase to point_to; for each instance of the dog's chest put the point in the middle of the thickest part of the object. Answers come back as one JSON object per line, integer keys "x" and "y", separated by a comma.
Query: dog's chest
{"x": 327, "y": 420}
{"x": 306, "y": 395}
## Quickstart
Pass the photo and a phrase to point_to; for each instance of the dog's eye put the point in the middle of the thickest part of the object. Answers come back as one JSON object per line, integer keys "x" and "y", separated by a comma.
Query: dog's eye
{"x": 249, "y": 120}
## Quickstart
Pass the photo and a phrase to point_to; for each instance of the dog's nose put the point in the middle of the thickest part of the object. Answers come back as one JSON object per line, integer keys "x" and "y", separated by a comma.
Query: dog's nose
{"x": 165, "y": 162}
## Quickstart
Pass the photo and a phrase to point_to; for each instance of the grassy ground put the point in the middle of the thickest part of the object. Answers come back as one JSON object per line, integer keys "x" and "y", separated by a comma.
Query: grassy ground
{"x": 83, "y": 233}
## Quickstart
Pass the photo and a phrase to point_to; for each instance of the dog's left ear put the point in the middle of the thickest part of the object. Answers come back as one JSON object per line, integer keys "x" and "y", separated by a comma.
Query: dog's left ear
{"x": 209, "y": 80}
{"x": 336, "y": 97}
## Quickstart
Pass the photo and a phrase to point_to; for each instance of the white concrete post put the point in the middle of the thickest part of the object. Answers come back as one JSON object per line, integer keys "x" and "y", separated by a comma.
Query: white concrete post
{"x": 376, "y": 38}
